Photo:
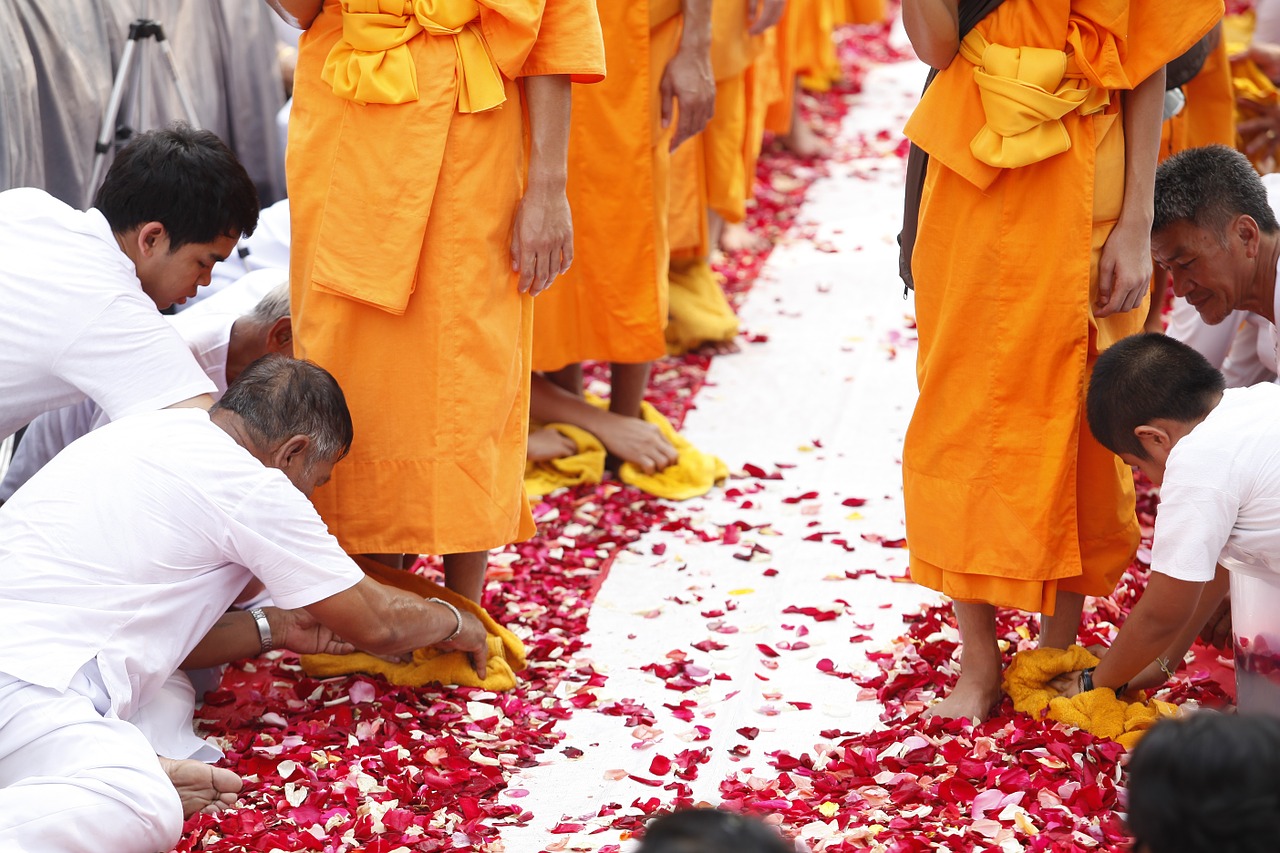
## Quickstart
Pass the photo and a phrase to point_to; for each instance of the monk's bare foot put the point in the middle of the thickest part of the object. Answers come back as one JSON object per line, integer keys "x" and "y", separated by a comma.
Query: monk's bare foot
{"x": 547, "y": 443}
{"x": 202, "y": 787}
{"x": 635, "y": 441}
{"x": 737, "y": 237}
{"x": 972, "y": 699}
{"x": 803, "y": 141}
{"x": 713, "y": 348}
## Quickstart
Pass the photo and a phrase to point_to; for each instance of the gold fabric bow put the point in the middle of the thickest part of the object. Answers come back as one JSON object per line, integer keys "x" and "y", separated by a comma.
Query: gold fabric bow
{"x": 372, "y": 63}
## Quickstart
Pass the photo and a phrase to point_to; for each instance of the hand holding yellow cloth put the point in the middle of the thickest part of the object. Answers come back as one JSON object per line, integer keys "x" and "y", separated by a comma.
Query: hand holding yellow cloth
{"x": 1098, "y": 712}
{"x": 429, "y": 665}
{"x": 585, "y": 466}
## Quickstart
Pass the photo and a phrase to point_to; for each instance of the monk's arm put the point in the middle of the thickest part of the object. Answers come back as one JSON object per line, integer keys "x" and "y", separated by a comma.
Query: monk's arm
{"x": 235, "y": 636}
{"x": 542, "y": 239}
{"x": 388, "y": 621}
{"x": 297, "y": 13}
{"x": 1124, "y": 271}
{"x": 688, "y": 86}
{"x": 934, "y": 29}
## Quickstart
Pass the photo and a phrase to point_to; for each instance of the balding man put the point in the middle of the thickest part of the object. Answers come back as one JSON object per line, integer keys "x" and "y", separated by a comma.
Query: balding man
{"x": 117, "y": 563}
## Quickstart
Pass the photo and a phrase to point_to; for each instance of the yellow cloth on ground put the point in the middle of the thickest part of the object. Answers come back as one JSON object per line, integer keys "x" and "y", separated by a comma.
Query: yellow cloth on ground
{"x": 429, "y": 665}
{"x": 586, "y": 466}
{"x": 371, "y": 63}
{"x": 699, "y": 311}
{"x": 692, "y": 475}
{"x": 1099, "y": 712}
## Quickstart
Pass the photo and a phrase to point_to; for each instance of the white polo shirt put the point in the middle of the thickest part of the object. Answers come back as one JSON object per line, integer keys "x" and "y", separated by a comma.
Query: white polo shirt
{"x": 75, "y": 321}
{"x": 128, "y": 546}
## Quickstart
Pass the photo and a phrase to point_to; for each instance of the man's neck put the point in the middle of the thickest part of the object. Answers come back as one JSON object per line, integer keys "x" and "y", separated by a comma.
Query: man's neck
{"x": 1264, "y": 297}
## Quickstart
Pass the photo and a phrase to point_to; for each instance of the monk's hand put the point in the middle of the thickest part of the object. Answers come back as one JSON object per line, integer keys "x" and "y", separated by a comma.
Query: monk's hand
{"x": 299, "y": 631}
{"x": 764, "y": 14}
{"x": 542, "y": 239}
{"x": 474, "y": 640}
{"x": 1261, "y": 133}
{"x": 1124, "y": 272}
{"x": 688, "y": 88}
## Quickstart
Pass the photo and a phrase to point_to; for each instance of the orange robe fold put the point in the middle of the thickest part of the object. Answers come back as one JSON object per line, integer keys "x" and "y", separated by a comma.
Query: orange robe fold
{"x": 805, "y": 49}
{"x": 612, "y": 304}
{"x": 402, "y": 284}
{"x": 1209, "y": 115}
{"x": 1008, "y": 497}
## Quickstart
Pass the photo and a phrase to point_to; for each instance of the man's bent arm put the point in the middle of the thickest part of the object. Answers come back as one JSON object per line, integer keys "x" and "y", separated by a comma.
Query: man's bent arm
{"x": 1156, "y": 621}
{"x": 1210, "y": 597}
{"x": 235, "y": 636}
{"x": 297, "y": 13}
{"x": 933, "y": 26}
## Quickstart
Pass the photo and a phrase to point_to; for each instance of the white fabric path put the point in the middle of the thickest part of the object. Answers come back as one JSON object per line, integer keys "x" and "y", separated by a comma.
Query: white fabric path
{"x": 825, "y": 375}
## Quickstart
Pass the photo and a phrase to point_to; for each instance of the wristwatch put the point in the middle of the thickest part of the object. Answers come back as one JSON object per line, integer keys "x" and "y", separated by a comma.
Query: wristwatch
{"x": 264, "y": 630}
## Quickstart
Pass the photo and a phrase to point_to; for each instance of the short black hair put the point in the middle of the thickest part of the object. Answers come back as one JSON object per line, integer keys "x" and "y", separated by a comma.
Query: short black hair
{"x": 1209, "y": 187}
{"x": 710, "y": 831}
{"x": 1207, "y": 783}
{"x": 1145, "y": 377}
{"x": 186, "y": 179}
{"x": 278, "y": 397}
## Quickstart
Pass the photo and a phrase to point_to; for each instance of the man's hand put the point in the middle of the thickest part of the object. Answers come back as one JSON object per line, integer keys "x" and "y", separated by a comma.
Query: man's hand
{"x": 763, "y": 14}
{"x": 1217, "y": 630}
{"x": 688, "y": 86}
{"x": 1124, "y": 271}
{"x": 474, "y": 640}
{"x": 542, "y": 239}
{"x": 299, "y": 631}
{"x": 1068, "y": 684}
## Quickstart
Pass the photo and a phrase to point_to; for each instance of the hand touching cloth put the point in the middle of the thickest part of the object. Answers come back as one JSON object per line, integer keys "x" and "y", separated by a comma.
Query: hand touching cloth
{"x": 1028, "y": 679}
{"x": 586, "y": 465}
{"x": 429, "y": 665}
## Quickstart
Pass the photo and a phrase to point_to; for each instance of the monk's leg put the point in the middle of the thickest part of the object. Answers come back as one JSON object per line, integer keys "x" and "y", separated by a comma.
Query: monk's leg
{"x": 568, "y": 377}
{"x": 464, "y": 573}
{"x": 802, "y": 140}
{"x": 1063, "y": 627}
{"x": 202, "y": 787}
{"x": 627, "y": 386}
{"x": 395, "y": 561}
{"x": 978, "y": 689}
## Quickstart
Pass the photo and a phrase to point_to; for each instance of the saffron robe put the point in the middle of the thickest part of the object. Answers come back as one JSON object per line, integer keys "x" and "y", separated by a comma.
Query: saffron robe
{"x": 1209, "y": 115}
{"x": 401, "y": 274}
{"x": 1008, "y": 496}
{"x": 612, "y": 304}
{"x": 805, "y": 50}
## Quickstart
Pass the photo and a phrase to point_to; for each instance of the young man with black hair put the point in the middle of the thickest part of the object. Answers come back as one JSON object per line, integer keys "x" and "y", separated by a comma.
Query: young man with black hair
{"x": 1160, "y": 406}
{"x": 81, "y": 289}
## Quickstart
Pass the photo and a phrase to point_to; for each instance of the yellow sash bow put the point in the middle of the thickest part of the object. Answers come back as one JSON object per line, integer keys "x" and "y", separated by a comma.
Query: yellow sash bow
{"x": 372, "y": 63}
{"x": 1025, "y": 93}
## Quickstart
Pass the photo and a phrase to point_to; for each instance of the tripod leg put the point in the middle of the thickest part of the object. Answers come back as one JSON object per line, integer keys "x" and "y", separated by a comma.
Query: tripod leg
{"x": 107, "y": 131}
{"x": 183, "y": 95}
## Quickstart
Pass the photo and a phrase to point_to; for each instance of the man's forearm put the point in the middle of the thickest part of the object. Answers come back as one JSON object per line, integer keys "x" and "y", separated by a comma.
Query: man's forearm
{"x": 1143, "y": 112}
{"x": 933, "y": 26}
{"x": 233, "y": 637}
{"x": 297, "y": 13}
{"x": 1154, "y": 624}
{"x": 696, "y": 32}
{"x": 549, "y": 101}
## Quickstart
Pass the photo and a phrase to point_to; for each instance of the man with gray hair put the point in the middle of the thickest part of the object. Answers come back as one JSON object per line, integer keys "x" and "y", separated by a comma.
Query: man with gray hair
{"x": 118, "y": 563}
{"x": 223, "y": 333}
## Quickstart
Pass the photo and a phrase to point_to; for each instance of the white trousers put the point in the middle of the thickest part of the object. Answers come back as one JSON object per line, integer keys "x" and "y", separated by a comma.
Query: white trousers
{"x": 72, "y": 780}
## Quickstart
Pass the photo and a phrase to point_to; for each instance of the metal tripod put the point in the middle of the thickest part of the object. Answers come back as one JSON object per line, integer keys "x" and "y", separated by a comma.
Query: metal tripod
{"x": 108, "y": 134}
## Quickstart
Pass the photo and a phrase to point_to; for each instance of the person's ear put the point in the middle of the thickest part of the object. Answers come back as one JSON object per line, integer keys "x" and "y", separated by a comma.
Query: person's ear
{"x": 1155, "y": 440}
{"x": 1247, "y": 232}
{"x": 152, "y": 237}
{"x": 292, "y": 453}
{"x": 280, "y": 337}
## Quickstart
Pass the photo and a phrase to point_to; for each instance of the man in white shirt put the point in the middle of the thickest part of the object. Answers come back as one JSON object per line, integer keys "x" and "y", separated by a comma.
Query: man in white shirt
{"x": 1215, "y": 453}
{"x": 117, "y": 563}
{"x": 1215, "y": 231}
{"x": 80, "y": 289}
{"x": 223, "y": 333}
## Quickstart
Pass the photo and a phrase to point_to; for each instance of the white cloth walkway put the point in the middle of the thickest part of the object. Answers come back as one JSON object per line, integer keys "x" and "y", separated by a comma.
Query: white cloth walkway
{"x": 830, "y": 392}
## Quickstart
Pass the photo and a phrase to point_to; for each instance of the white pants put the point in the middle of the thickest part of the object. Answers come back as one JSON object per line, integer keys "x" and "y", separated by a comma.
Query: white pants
{"x": 72, "y": 780}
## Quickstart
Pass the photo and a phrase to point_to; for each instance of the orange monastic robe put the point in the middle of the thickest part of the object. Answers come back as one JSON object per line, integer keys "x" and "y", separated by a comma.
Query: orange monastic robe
{"x": 864, "y": 11}
{"x": 1209, "y": 115}
{"x": 1008, "y": 496}
{"x": 404, "y": 177}
{"x": 612, "y": 304}
{"x": 805, "y": 49}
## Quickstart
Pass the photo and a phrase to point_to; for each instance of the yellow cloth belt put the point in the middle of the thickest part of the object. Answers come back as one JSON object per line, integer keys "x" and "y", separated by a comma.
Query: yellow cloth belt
{"x": 429, "y": 666}
{"x": 372, "y": 63}
{"x": 1098, "y": 712}
{"x": 1025, "y": 93}
{"x": 692, "y": 475}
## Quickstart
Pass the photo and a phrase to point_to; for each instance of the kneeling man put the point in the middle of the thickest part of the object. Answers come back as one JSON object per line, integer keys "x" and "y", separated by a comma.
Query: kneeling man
{"x": 116, "y": 561}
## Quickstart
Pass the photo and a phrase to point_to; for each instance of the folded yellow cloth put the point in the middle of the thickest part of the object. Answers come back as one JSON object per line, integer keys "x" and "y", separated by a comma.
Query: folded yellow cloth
{"x": 1098, "y": 712}
{"x": 693, "y": 474}
{"x": 429, "y": 666}
{"x": 698, "y": 312}
{"x": 586, "y": 466}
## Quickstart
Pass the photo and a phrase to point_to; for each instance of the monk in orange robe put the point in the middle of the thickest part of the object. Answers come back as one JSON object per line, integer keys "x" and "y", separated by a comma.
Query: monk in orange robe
{"x": 420, "y": 232}
{"x": 612, "y": 305}
{"x": 806, "y": 55}
{"x": 1032, "y": 254}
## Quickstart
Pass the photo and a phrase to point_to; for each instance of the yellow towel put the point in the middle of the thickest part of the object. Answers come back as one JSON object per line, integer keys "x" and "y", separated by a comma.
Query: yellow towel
{"x": 1098, "y": 712}
{"x": 429, "y": 666}
{"x": 693, "y": 474}
{"x": 698, "y": 312}
{"x": 1254, "y": 91}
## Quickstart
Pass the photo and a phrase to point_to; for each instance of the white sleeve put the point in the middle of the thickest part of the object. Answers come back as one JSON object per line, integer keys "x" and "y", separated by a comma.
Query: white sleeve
{"x": 277, "y": 534}
{"x": 45, "y": 437}
{"x": 1193, "y": 524}
{"x": 130, "y": 359}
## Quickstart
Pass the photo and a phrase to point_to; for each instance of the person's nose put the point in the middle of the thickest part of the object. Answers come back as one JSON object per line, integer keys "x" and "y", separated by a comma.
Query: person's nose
{"x": 1181, "y": 286}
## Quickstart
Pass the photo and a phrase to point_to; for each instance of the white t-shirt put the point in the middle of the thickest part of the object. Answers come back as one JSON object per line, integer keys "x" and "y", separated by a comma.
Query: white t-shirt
{"x": 207, "y": 334}
{"x": 75, "y": 321}
{"x": 128, "y": 546}
{"x": 1221, "y": 495}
